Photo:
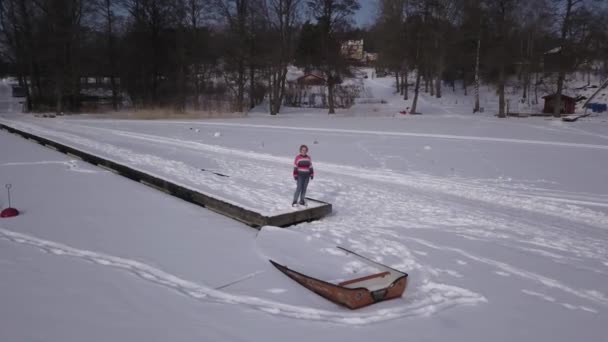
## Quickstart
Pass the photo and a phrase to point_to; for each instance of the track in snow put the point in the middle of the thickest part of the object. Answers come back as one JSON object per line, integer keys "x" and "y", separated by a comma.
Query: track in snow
{"x": 558, "y": 228}
{"x": 438, "y": 296}
{"x": 396, "y": 134}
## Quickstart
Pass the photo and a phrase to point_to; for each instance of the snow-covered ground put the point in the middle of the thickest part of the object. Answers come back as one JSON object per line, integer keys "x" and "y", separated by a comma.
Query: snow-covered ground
{"x": 502, "y": 226}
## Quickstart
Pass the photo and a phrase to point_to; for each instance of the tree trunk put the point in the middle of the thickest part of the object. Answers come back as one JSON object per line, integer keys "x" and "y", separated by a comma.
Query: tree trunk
{"x": 557, "y": 104}
{"x": 272, "y": 83}
{"x": 526, "y": 84}
{"x": 20, "y": 52}
{"x": 526, "y": 71}
{"x": 476, "y": 107}
{"x": 28, "y": 95}
{"x": 111, "y": 53}
{"x": 439, "y": 76}
{"x": 405, "y": 84}
{"x": 557, "y": 101}
{"x": 252, "y": 102}
{"x": 282, "y": 81}
{"x": 330, "y": 95}
{"x": 501, "y": 92}
{"x": 397, "y": 82}
{"x": 438, "y": 87}
{"x": 273, "y": 93}
{"x": 35, "y": 81}
{"x": 413, "y": 110}
{"x": 180, "y": 105}
{"x": 194, "y": 10}
{"x": 240, "y": 95}
{"x": 276, "y": 81}
{"x": 501, "y": 72}
{"x": 58, "y": 91}
{"x": 536, "y": 88}
{"x": 418, "y": 65}
{"x": 58, "y": 22}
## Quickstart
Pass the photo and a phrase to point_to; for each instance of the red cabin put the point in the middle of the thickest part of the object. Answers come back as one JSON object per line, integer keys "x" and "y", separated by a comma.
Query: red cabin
{"x": 568, "y": 104}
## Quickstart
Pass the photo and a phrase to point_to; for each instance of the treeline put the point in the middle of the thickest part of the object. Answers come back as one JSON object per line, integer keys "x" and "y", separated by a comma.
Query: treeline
{"x": 233, "y": 54}
{"x": 539, "y": 41}
{"x": 170, "y": 53}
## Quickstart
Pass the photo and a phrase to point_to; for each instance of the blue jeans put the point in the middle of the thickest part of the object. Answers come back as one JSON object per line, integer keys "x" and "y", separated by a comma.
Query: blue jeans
{"x": 303, "y": 179}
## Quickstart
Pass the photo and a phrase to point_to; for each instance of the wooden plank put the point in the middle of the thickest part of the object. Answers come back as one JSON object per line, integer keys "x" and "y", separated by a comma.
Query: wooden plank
{"x": 247, "y": 216}
{"x": 372, "y": 276}
{"x": 73, "y": 156}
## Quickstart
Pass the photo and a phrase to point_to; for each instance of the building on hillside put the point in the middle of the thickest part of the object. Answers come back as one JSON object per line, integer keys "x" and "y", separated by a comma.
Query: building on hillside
{"x": 568, "y": 104}
{"x": 370, "y": 57}
{"x": 312, "y": 79}
{"x": 18, "y": 91}
{"x": 310, "y": 91}
{"x": 353, "y": 50}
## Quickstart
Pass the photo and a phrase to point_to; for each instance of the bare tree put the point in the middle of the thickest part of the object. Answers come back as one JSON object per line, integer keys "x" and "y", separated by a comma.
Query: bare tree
{"x": 503, "y": 14}
{"x": 106, "y": 8}
{"x": 418, "y": 64}
{"x": 474, "y": 14}
{"x": 282, "y": 16}
{"x": 445, "y": 13}
{"x": 331, "y": 16}
{"x": 390, "y": 31}
{"x": 26, "y": 29}
{"x": 200, "y": 58}
{"x": 418, "y": 22}
{"x": 565, "y": 48}
{"x": 236, "y": 14}
{"x": 476, "y": 107}
{"x": 64, "y": 24}
{"x": 13, "y": 39}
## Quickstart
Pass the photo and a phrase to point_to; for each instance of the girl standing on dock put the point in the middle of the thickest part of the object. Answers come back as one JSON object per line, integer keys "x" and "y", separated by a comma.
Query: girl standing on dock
{"x": 302, "y": 173}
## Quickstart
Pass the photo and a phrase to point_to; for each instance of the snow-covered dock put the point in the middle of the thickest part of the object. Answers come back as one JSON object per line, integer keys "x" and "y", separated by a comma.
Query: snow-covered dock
{"x": 315, "y": 210}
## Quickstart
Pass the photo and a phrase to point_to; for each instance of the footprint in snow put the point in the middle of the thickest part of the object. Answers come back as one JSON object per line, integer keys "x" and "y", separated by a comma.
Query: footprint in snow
{"x": 578, "y": 307}
{"x": 276, "y": 291}
{"x": 588, "y": 309}
{"x": 73, "y": 166}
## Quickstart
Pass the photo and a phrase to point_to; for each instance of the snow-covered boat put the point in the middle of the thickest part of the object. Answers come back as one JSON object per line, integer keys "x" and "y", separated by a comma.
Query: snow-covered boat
{"x": 358, "y": 292}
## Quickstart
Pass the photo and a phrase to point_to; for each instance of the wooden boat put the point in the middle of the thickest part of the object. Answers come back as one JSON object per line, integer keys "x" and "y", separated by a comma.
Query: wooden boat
{"x": 354, "y": 293}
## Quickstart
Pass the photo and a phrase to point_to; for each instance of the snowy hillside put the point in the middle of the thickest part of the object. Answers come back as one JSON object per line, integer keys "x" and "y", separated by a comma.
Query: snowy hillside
{"x": 380, "y": 98}
{"x": 501, "y": 224}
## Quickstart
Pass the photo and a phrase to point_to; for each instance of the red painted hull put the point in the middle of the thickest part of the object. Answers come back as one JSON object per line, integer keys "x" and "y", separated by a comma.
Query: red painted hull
{"x": 352, "y": 298}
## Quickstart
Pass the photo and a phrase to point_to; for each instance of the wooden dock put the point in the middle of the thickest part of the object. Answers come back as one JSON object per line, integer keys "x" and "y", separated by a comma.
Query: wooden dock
{"x": 244, "y": 215}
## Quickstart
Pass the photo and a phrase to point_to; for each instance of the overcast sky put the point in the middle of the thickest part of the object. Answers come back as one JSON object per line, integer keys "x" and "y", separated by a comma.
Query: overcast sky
{"x": 367, "y": 13}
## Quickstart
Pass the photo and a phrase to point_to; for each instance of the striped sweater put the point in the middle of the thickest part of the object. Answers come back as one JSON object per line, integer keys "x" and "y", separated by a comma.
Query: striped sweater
{"x": 303, "y": 165}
